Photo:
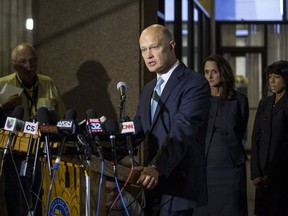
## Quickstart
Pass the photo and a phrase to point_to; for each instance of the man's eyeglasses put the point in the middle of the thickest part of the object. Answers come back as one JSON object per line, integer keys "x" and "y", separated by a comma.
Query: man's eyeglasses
{"x": 24, "y": 62}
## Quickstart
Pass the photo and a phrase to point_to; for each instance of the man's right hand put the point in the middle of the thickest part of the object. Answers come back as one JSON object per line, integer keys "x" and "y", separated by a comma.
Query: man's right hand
{"x": 258, "y": 181}
{"x": 149, "y": 178}
{"x": 262, "y": 182}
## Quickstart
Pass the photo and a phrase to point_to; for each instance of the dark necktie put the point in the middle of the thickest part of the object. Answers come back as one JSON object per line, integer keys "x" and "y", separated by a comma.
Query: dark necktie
{"x": 156, "y": 96}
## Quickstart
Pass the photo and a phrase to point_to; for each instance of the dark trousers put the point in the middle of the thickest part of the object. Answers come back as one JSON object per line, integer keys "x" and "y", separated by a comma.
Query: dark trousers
{"x": 186, "y": 212}
{"x": 271, "y": 201}
{"x": 21, "y": 195}
{"x": 153, "y": 207}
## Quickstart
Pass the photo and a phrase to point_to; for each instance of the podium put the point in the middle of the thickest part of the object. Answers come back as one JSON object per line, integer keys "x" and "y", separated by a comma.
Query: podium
{"x": 68, "y": 192}
{"x": 69, "y": 188}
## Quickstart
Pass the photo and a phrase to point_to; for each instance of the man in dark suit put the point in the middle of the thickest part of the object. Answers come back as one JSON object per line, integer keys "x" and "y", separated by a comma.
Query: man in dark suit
{"x": 174, "y": 168}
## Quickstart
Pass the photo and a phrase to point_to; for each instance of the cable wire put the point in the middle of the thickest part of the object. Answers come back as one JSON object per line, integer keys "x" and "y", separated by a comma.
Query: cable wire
{"x": 127, "y": 180}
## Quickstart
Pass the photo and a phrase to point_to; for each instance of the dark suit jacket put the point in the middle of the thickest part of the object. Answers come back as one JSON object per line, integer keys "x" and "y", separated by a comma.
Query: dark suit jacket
{"x": 270, "y": 140}
{"x": 175, "y": 141}
{"x": 235, "y": 113}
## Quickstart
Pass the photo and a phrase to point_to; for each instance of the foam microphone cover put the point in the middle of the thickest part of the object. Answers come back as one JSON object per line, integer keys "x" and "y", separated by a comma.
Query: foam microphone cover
{"x": 112, "y": 126}
{"x": 18, "y": 112}
{"x": 70, "y": 114}
{"x": 43, "y": 115}
{"x": 91, "y": 113}
{"x": 121, "y": 86}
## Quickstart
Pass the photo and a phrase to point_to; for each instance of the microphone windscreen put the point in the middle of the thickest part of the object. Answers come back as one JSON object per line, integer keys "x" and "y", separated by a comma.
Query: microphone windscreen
{"x": 111, "y": 126}
{"x": 103, "y": 119}
{"x": 70, "y": 114}
{"x": 18, "y": 112}
{"x": 91, "y": 113}
{"x": 52, "y": 117}
{"x": 121, "y": 83}
{"x": 43, "y": 115}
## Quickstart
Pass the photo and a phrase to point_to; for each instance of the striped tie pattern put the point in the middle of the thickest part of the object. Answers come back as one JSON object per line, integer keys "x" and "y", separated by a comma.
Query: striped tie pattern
{"x": 156, "y": 96}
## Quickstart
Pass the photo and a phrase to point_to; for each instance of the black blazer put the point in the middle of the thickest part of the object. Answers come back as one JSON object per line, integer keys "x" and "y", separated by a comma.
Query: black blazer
{"x": 175, "y": 140}
{"x": 270, "y": 140}
{"x": 235, "y": 114}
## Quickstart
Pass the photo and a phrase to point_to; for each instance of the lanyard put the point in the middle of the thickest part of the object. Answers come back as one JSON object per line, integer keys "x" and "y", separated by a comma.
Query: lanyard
{"x": 31, "y": 100}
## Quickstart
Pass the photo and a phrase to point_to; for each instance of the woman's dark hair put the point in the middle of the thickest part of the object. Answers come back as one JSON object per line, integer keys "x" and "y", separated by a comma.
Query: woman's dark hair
{"x": 226, "y": 75}
{"x": 279, "y": 68}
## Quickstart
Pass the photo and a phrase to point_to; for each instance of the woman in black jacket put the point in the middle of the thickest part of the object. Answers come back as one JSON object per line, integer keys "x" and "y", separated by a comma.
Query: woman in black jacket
{"x": 224, "y": 150}
{"x": 269, "y": 159}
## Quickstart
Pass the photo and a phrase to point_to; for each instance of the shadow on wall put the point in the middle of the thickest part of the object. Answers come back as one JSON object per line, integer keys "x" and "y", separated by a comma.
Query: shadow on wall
{"x": 91, "y": 92}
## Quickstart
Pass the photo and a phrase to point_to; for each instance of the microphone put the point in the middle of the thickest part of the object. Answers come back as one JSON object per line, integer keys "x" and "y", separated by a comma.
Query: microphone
{"x": 32, "y": 129}
{"x": 70, "y": 114}
{"x": 47, "y": 121}
{"x": 13, "y": 125}
{"x": 121, "y": 87}
{"x": 93, "y": 123}
{"x": 65, "y": 127}
{"x": 112, "y": 128}
{"x": 45, "y": 129}
{"x": 127, "y": 127}
{"x": 94, "y": 127}
{"x": 44, "y": 117}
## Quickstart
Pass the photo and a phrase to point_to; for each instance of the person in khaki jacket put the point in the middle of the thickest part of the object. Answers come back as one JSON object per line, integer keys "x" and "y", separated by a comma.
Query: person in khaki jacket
{"x": 37, "y": 91}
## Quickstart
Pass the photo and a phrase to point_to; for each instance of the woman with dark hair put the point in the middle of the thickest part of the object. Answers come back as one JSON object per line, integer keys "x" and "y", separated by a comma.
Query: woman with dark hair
{"x": 269, "y": 158}
{"x": 225, "y": 154}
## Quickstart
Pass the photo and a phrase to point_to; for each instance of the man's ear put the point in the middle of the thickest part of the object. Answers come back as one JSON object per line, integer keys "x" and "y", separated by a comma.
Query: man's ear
{"x": 172, "y": 44}
{"x": 14, "y": 67}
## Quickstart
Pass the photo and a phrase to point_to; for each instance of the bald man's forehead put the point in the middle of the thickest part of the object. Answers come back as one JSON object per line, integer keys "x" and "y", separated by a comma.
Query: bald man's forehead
{"x": 24, "y": 52}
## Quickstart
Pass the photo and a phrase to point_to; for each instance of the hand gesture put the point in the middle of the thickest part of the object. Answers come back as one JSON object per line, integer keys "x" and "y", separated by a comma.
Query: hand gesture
{"x": 149, "y": 178}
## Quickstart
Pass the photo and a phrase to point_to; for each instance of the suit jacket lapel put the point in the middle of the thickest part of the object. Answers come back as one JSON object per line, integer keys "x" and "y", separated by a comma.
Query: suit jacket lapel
{"x": 173, "y": 81}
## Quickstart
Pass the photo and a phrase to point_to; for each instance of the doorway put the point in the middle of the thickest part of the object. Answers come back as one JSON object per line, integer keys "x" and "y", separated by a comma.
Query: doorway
{"x": 248, "y": 69}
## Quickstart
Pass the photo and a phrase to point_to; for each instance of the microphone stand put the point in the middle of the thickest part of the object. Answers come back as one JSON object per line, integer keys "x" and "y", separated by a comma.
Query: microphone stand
{"x": 122, "y": 107}
{"x": 114, "y": 154}
{"x": 88, "y": 153}
{"x": 35, "y": 159}
{"x": 26, "y": 162}
{"x": 46, "y": 151}
{"x": 101, "y": 155}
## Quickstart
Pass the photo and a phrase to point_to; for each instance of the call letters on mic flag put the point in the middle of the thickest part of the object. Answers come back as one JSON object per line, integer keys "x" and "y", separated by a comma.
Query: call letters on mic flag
{"x": 94, "y": 125}
{"x": 31, "y": 128}
{"x": 127, "y": 127}
{"x": 48, "y": 129}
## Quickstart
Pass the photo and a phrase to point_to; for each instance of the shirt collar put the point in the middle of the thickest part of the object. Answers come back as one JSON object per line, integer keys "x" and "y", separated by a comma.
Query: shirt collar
{"x": 167, "y": 75}
{"x": 22, "y": 84}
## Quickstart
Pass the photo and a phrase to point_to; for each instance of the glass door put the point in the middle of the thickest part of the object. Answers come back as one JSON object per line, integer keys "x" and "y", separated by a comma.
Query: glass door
{"x": 248, "y": 73}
